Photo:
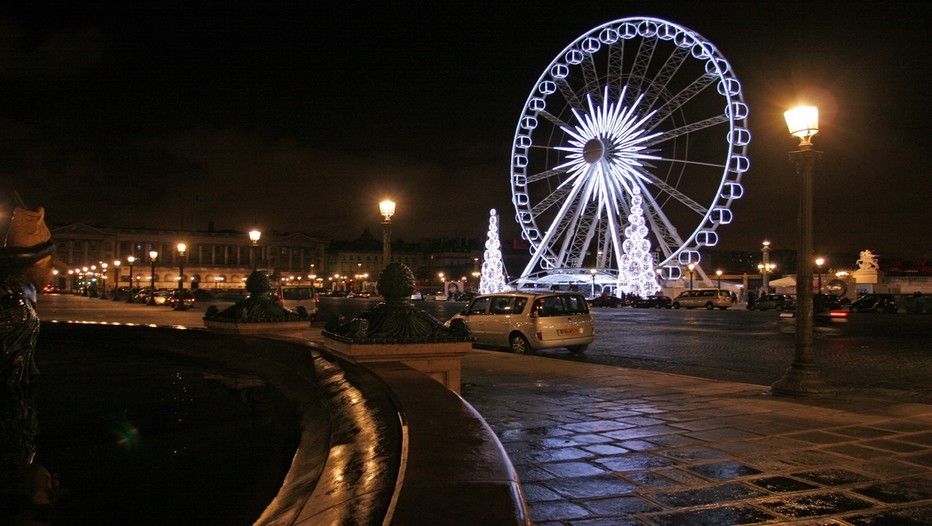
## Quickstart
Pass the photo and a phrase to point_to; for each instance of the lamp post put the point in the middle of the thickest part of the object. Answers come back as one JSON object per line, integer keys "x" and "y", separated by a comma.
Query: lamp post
{"x": 254, "y": 236}
{"x": 691, "y": 267}
{"x": 153, "y": 255}
{"x": 181, "y": 250}
{"x": 718, "y": 274}
{"x": 802, "y": 377}
{"x": 84, "y": 281}
{"x": 819, "y": 262}
{"x": 765, "y": 266}
{"x": 103, "y": 281}
{"x": 592, "y": 272}
{"x": 130, "y": 260}
{"x": 387, "y": 209}
{"x": 116, "y": 281}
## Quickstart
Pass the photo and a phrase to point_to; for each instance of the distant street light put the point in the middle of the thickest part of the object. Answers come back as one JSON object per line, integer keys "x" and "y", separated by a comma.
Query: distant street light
{"x": 182, "y": 248}
{"x": 691, "y": 267}
{"x": 131, "y": 260}
{"x": 819, "y": 262}
{"x": 116, "y": 281}
{"x": 387, "y": 209}
{"x": 592, "y": 272}
{"x": 765, "y": 267}
{"x": 718, "y": 274}
{"x": 254, "y": 236}
{"x": 103, "y": 281}
{"x": 802, "y": 377}
{"x": 153, "y": 255}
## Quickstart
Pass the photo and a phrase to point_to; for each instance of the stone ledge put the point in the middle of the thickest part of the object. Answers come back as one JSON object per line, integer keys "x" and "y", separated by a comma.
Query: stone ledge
{"x": 256, "y": 328}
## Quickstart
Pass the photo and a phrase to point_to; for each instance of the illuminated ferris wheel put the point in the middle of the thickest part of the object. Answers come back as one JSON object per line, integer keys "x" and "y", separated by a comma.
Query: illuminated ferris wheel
{"x": 637, "y": 106}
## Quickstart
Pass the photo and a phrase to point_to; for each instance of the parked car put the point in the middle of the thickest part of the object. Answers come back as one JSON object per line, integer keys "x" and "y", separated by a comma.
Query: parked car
{"x": 606, "y": 300}
{"x": 874, "y": 303}
{"x": 656, "y": 301}
{"x": 826, "y": 308}
{"x": 526, "y": 322}
{"x": 777, "y": 302}
{"x": 300, "y": 299}
{"x": 708, "y": 298}
{"x": 180, "y": 299}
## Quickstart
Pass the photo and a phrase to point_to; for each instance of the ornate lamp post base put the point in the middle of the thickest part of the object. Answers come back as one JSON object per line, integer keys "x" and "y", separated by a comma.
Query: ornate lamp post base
{"x": 802, "y": 380}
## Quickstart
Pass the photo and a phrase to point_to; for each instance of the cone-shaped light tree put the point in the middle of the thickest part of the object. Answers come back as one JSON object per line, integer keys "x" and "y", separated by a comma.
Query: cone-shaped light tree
{"x": 493, "y": 269}
{"x": 636, "y": 273}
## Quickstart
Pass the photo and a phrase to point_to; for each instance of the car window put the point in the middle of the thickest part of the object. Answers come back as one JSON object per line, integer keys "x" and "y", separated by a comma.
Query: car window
{"x": 501, "y": 305}
{"x": 478, "y": 306}
{"x": 549, "y": 306}
{"x": 574, "y": 304}
{"x": 297, "y": 293}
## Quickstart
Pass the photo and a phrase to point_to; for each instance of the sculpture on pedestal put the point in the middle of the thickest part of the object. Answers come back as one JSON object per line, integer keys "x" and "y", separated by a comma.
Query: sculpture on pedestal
{"x": 261, "y": 306}
{"x": 396, "y": 320}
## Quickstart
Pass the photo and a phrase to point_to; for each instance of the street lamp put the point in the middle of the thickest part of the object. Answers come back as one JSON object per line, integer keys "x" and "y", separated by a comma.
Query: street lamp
{"x": 181, "y": 250}
{"x": 254, "y": 236}
{"x": 802, "y": 377}
{"x": 84, "y": 280}
{"x": 130, "y": 260}
{"x": 116, "y": 281}
{"x": 718, "y": 274}
{"x": 819, "y": 262}
{"x": 153, "y": 255}
{"x": 592, "y": 272}
{"x": 103, "y": 281}
{"x": 765, "y": 266}
{"x": 691, "y": 267}
{"x": 387, "y": 209}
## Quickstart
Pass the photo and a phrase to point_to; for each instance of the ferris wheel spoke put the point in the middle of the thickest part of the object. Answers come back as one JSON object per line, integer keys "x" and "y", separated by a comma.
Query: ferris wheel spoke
{"x": 679, "y": 100}
{"x": 591, "y": 77}
{"x": 639, "y": 67}
{"x": 546, "y": 174}
{"x": 660, "y": 81}
{"x": 616, "y": 60}
{"x": 666, "y": 234}
{"x": 689, "y": 128}
{"x": 569, "y": 94}
{"x": 553, "y": 119}
{"x": 555, "y": 197}
{"x": 676, "y": 194}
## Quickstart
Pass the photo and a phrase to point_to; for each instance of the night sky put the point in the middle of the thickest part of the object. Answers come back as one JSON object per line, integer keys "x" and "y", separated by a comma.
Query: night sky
{"x": 302, "y": 119}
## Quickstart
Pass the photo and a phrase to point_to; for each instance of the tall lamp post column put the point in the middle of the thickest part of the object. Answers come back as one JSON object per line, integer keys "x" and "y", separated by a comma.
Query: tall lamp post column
{"x": 103, "y": 281}
{"x": 691, "y": 267}
{"x": 765, "y": 265}
{"x": 803, "y": 378}
{"x": 592, "y": 272}
{"x": 819, "y": 262}
{"x": 254, "y": 236}
{"x": 116, "y": 280}
{"x": 130, "y": 260}
{"x": 153, "y": 255}
{"x": 181, "y": 250}
{"x": 718, "y": 274}
{"x": 387, "y": 209}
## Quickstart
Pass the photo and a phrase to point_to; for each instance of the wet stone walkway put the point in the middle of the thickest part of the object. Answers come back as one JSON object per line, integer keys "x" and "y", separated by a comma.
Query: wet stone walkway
{"x": 597, "y": 445}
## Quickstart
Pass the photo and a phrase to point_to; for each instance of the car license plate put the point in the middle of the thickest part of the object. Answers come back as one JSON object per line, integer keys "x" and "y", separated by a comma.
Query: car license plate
{"x": 566, "y": 332}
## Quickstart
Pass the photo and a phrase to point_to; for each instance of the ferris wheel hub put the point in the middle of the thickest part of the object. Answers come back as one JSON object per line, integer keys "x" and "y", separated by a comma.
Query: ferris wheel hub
{"x": 594, "y": 151}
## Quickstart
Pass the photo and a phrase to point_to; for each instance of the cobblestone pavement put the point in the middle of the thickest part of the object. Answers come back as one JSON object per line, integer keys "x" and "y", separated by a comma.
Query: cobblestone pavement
{"x": 600, "y": 445}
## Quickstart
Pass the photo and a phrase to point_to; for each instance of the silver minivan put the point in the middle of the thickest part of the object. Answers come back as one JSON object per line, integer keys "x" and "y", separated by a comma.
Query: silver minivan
{"x": 300, "y": 298}
{"x": 526, "y": 322}
{"x": 708, "y": 298}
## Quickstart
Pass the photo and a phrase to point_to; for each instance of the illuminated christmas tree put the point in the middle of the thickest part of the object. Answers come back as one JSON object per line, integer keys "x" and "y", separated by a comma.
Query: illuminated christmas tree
{"x": 636, "y": 269}
{"x": 493, "y": 270}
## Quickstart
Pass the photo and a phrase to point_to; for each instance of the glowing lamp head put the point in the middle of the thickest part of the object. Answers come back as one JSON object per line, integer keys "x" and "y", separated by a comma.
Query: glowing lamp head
{"x": 718, "y": 273}
{"x": 153, "y": 254}
{"x": 131, "y": 259}
{"x": 182, "y": 248}
{"x": 254, "y": 235}
{"x": 820, "y": 261}
{"x": 387, "y": 209}
{"x": 803, "y": 122}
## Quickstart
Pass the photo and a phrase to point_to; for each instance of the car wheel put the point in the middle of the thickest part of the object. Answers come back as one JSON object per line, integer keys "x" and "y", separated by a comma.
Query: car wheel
{"x": 578, "y": 349}
{"x": 519, "y": 344}
{"x": 709, "y": 306}
{"x": 658, "y": 305}
{"x": 778, "y": 308}
{"x": 676, "y": 305}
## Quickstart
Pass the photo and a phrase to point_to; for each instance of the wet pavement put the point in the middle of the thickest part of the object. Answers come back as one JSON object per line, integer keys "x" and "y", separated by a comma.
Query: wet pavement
{"x": 600, "y": 445}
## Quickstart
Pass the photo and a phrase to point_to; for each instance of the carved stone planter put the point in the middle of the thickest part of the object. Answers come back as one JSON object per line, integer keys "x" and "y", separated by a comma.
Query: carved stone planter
{"x": 441, "y": 361}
